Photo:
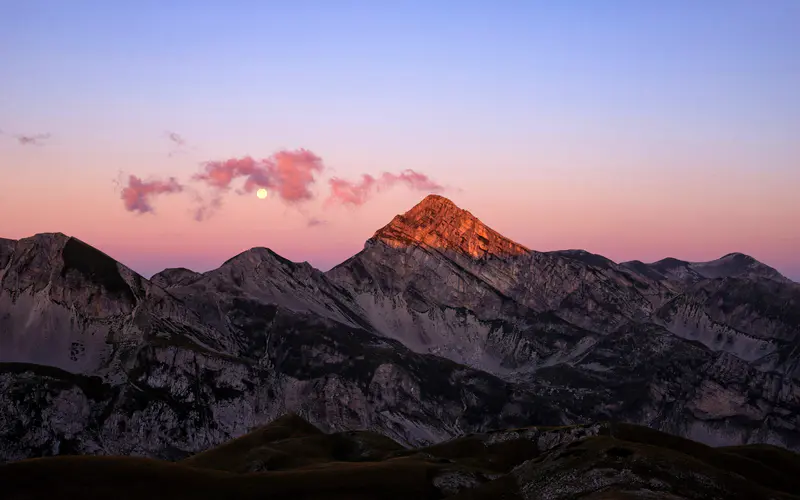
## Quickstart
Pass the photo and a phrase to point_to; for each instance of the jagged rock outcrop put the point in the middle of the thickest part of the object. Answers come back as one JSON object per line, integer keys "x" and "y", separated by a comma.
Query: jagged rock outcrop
{"x": 64, "y": 304}
{"x": 439, "y": 326}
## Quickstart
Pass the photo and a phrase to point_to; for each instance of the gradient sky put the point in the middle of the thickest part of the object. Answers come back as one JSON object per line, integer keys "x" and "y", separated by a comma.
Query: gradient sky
{"x": 634, "y": 129}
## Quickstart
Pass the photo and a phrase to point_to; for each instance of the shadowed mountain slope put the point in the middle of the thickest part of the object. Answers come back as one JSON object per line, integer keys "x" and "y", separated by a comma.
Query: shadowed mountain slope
{"x": 732, "y": 265}
{"x": 589, "y": 461}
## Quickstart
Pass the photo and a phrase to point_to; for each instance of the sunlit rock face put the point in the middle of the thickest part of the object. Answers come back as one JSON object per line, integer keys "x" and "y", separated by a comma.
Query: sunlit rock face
{"x": 438, "y": 327}
{"x": 437, "y": 223}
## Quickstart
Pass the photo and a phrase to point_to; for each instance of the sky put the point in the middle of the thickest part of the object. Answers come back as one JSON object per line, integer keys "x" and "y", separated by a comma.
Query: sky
{"x": 637, "y": 130}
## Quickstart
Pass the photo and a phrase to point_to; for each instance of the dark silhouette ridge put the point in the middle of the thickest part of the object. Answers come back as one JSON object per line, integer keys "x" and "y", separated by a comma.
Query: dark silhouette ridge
{"x": 290, "y": 458}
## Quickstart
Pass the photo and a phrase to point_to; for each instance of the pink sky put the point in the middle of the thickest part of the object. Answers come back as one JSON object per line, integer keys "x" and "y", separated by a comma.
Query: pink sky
{"x": 637, "y": 130}
{"x": 679, "y": 213}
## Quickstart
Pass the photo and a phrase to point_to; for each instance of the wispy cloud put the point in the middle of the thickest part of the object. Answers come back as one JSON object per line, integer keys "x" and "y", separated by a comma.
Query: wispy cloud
{"x": 176, "y": 138}
{"x": 206, "y": 208}
{"x": 351, "y": 193}
{"x": 32, "y": 140}
{"x": 178, "y": 143}
{"x": 314, "y": 222}
{"x": 357, "y": 193}
{"x": 412, "y": 179}
{"x": 138, "y": 194}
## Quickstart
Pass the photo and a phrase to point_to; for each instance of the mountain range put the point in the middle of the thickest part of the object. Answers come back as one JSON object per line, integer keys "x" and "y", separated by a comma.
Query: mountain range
{"x": 438, "y": 328}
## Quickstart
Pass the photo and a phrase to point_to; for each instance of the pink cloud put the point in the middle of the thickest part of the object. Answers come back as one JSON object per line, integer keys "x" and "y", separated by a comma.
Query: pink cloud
{"x": 289, "y": 174}
{"x": 412, "y": 179}
{"x": 137, "y": 194}
{"x": 220, "y": 174}
{"x": 351, "y": 193}
{"x": 294, "y": 172}
{"x": 357, "y": 193}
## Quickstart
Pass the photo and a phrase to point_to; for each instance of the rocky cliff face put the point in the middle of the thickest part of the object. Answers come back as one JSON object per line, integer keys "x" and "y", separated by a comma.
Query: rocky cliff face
{"x": 438, "y": 224}
{"x": 6, "y": 247}
{"x": 439, "y": 326}
{"x": 65, "y": 304}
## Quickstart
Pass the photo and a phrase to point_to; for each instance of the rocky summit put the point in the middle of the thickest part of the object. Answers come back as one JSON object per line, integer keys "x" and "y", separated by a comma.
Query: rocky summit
{"x": 437, "y": 223}
{"x": 440, "y": 327}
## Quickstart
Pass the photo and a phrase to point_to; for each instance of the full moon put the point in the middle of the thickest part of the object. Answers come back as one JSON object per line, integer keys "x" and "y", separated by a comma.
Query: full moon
{"x": 261, "y": 193}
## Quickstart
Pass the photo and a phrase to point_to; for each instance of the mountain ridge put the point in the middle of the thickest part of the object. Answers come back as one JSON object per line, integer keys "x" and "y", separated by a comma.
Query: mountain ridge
{"x": 401, "y": 230}
{"x": 729, "y": 265}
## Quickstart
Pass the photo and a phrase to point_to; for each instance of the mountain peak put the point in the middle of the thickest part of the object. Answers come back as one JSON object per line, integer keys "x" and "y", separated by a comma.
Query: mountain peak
{"x": 738, "y": 255}
{"x": 259, "y": 254}
{"x": 436, "y": 222}
{"x": 174, "y": 276}
{"x": 435, "y": 201}
{"x": 47, "y": 239}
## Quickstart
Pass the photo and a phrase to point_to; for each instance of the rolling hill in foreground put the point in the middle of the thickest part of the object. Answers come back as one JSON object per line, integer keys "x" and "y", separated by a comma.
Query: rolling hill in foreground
{"x": 438, "y": 328}
{"x": 291, "y": 459}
